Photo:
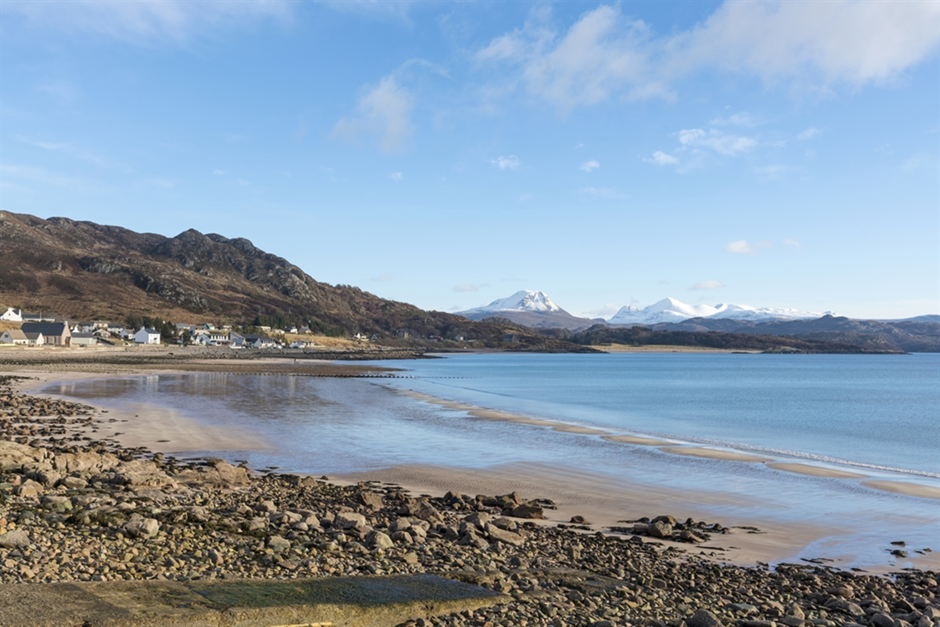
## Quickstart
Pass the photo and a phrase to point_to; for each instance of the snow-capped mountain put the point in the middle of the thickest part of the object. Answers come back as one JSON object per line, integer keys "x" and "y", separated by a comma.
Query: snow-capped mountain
{"x": 531, "y": 308}
{"x": 523, "y": 300}
{"x": 670, "y": 310}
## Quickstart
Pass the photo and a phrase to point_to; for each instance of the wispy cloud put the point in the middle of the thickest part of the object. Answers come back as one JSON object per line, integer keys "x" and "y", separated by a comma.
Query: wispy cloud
{"x": 737, "y": 119}
{"x": 707, "y": 285}
{"x": 718, "y": 141}
{"x": 468, "y": 287}
{"x": 661, "y": 158}
{"x": 607, "y": 193}
{"x": 589, "y": 166}
{"x": 382, "y": 277}
{"x": 395, "y": 176}
{"x": 145, "y": 22}
{"x": 65, "y": 148}
{"x": 793, "y": 243}
{"x": 39, "y": 175}
{"x": 741, "y": 247}
{"x": 219, "y": 172}
{"x": 383, "y": 111}
{"x": 809, "y": 133}
{"x": 508, "y": 162}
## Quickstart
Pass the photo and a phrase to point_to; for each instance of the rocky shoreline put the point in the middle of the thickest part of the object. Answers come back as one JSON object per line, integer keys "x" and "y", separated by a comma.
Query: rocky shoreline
{"x": 74, "y": 508}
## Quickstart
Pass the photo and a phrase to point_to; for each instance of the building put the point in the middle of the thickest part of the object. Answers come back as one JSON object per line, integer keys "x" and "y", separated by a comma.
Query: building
{"x": 13, "y": 336}
{"x": 84, "y": 339}
{"x": 12, "y": 315}
{"x": 35, "y": 339}
{"x": 147, "y": 336}
{"x": 54, "y": 333}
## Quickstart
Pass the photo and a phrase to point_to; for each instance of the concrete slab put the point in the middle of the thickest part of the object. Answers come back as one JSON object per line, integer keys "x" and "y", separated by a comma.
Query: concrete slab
{"x": 328, "y": 602}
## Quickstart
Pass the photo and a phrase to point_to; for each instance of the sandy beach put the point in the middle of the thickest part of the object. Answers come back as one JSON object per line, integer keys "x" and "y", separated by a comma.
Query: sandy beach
{"x": 599, "y": 499}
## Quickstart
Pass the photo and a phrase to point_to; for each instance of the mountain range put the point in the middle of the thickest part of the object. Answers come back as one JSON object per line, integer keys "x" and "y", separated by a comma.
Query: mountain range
{"x": 87, "y": 271}
{"x": 535, "y": 309}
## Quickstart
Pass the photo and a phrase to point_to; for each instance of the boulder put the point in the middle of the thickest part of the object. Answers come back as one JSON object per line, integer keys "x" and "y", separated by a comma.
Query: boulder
{"x": 659, "y": 529}
{"x": 528, "y": 510}
{"x": 16, "y": 539}
{"x": 501, "y": 535}
{"x": 278, "y": 544}
{"x": 28, "y": 489}
{"x": 703, "y": 618}
{"x": 14, "y": 456}
{"x": 139, "y": 527}
{"x": 378, "y": 540}
{"x": 348, "y": 520}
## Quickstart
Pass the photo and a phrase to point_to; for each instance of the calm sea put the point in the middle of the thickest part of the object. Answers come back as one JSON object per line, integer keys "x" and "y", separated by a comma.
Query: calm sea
{"x": 876, "y": 415}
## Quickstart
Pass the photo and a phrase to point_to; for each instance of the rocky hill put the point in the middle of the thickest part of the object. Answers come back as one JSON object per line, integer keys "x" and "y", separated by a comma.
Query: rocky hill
{"x": 83, "y": 270}
{"x": 920, "y": 335}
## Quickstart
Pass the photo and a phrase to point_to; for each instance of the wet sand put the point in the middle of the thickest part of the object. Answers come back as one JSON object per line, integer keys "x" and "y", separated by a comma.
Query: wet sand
{"x": 602, "y": 500}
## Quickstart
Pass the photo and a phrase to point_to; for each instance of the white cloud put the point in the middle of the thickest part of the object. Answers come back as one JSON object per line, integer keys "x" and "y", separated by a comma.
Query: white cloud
{"x": 219, "y": 172}
{"x": 605, "y": 311}
{"x": 818, "y": 43}
{"x": 808, "y": 134}
{"x": 602, "y": 54}
{"x": 707, "y": 285}
{"x": 809, "y": 45}
{"x": 466, "y": 287}
{"x": 738, "y": 119}
{"x": 383, "y": 277}
{"x": 589, "y": 166}
{"x": 792, "y": 242}
{"x": 608, "y": 193}
{"x": 740, "y": 246}
{"x": 661, "y": 158}
{"x": 144, "y": 21}
{"x": 383, "y": 111}
{"x": 509, "y": 162}
{"x": 395, "y": 176}
{"x": 720, "y": 142}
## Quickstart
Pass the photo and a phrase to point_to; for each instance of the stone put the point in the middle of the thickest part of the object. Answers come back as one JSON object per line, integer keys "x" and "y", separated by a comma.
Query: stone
{"x": 399, "y": 524}
{"x": 503, "y": 536}
{"x": 372, "y": 500}
{"x": 139, "y": 527}
{"x": 478, "y": 519}
{"x": 29, "y": 489}
{"x": 378, "y": 540}
{"x": 16, "y": 539}
{"x": 880, "y": 619}
{"x": 528, "y": 510}
{"x": 57, "y": 503}
{"x": 278, "y": 544}
{"x": 659, "y": 529}
{"x": 703, "y": 618}
{"x": 13, "y": 455}
{"x": 349, "y": 520}
{"x": 73, "y": 483}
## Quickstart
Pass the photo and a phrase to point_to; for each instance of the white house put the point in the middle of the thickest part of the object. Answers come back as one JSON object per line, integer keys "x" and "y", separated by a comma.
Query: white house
{"x": 13, "y": 336}
{"x": 12, "y": 315}
{"x": 147, "y": 336}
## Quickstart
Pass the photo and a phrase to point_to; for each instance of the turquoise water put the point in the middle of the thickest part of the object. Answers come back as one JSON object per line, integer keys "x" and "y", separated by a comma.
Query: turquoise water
{"x": 870, "y": 411}
{"x": 875, "y": 415}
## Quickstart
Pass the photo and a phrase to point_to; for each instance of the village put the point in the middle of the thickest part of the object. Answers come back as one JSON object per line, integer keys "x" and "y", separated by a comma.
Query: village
{"x": 45, "y": 329}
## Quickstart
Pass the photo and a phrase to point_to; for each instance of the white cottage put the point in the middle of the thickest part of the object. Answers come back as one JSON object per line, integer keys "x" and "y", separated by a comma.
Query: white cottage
{"x": 147, "y": 336}
{"x": 12, "y": 315}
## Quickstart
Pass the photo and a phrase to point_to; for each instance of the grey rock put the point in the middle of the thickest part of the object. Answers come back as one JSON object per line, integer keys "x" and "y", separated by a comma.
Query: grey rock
{"x": 139, "y": 527}
{"x": 703, "y": 618}
{"x": 16, "y": 539}
{"x": 660, "y": 529}
{"x": 278, "y": 544}
{"x": 379, "y": 540}
{"x": 528, "y": 510}
{"x": 348, "y": 520}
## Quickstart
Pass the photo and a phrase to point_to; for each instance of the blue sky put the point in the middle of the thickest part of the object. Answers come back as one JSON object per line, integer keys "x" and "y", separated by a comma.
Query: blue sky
{"x": 446, "y": 154}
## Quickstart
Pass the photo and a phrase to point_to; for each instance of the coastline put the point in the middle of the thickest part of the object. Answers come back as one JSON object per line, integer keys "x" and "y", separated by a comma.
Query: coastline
{"x": 164, "y": 431}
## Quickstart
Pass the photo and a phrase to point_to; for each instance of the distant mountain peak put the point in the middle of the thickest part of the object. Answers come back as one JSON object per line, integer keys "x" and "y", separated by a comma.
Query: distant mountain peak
{"x": 671, "y": 310}
{"x": 523, "y": 300}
